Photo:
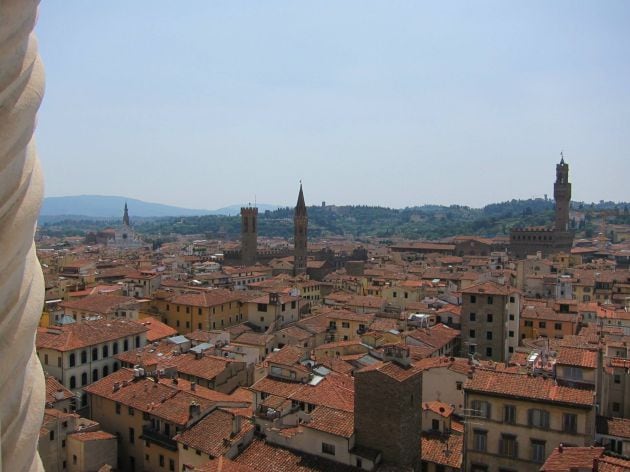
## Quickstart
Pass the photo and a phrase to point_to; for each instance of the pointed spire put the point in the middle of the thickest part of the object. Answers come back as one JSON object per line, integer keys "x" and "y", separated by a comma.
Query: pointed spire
{"x": 561, "y": 157}
{"x": 126, "y": 216}
{"x": 300, "y": 208}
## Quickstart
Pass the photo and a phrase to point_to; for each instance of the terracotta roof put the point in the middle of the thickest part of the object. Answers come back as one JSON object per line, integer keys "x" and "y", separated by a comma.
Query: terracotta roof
{"x": 157, "y": 329}
{"x": 288, "y": 355}
{"x": 212, "y": 434}
{"x": 102, "y": 304}
{"x": 334, "y": 391}
{"x": 612, "y": 464}
{"x": 86, "y": 333}
{"x": 442, "y": 409}
{"x": 55, "y": 391}
{"x": 92, "y": 436}
{"x": 577, "y": 357}
{"x": 571, "y": 458}
{"x": 442, "y": 450}
{"x": 392, "y": 370}
{"x": 619, "y": 427}
{"x": 328, "y": 420}
{"x": 267, "y": 457}
{"x": 527, "y": 387}
{"x": 206, "y": 298}
{"x": 489, "y": 288}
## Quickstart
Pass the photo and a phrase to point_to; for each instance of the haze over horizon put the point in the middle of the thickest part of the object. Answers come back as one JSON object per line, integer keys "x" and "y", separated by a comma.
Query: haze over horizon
{"x": 204, "y": 105}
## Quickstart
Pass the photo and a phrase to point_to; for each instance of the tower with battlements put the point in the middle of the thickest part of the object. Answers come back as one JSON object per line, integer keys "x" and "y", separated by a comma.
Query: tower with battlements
{"x": 249, "y": 235}
{"x": 562, "y": 195}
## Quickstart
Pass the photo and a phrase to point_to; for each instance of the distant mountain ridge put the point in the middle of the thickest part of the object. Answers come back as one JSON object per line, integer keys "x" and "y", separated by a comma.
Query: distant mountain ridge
{"x": 106, "y": 206}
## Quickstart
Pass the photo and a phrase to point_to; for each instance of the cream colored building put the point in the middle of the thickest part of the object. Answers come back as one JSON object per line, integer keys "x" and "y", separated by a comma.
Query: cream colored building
{"x": 514, "y": 421}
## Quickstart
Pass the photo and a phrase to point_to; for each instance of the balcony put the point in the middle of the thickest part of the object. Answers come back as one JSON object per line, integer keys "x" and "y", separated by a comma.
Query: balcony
{"x": 151, "y": 435}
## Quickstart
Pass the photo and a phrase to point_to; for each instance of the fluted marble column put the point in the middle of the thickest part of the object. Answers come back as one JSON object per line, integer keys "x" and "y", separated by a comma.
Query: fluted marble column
{"x": 22, "y": 390}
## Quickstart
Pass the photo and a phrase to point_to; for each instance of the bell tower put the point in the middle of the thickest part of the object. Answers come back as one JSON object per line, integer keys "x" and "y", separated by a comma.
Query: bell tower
{"x": 126, "y": 216}
{"x": 300, "y": 228}
{"x": 249, "y": 235}
{"x": 562, "y": 195}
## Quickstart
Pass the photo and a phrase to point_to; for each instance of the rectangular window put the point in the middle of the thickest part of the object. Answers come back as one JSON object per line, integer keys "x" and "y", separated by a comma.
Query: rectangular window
{"x": 489, "y": 318}
{"x": 488, "y": 352}
{"x": 511, "y": 334}
{"x": 480, "y": 440}
{"x": 617, "y": 378}
{"x": 473, "y": 299}
{"x": 538, "y": 418}
{"x": 161, "y": 460}
{"x": 473, "y": 317}
{"x": 262, "y": 307}
{"x": 538, "y": 450}
{"x": 118, "y": 408}
{"x": 472, "y": 333}
{"x": 529, "y": 323}
{"x": 569, "y": 423}
{"x": 328, "y": 448}
{"x": 345, "y": 324}
{"x": 459, "y": 385}
{"x": 130, "y": 411}
{"x": 557, "y": 326}
{"x": 489, "y": 335}
{"x": 508, "y": 445}
{"x": 490, "y": 300}
{"x": 509, "y": 414}
{"x": 481, "y": 409}
{"x": 171, "y": 465}
{"x": 542, "y": 324}
{"x": 132, "y": 436}
{"x": 511, "y": 317}
{"x": 512, "y": 299}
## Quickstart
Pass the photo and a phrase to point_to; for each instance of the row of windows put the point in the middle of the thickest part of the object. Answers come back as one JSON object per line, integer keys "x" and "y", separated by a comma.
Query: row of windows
{"x": 535, "y": 417}
{"x": 72, "y": 382}
{"x": 543, "y": 324}
{"x": 489, "y": 300}
{"x": 532, "y": 238}
{"x": 214, "y": 324}
{"x": 72, "y": 360}
{"x": 508, "y": 445}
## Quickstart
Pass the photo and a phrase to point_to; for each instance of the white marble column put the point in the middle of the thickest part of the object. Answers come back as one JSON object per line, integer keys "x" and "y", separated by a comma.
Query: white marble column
{"x": 22, "y": 390}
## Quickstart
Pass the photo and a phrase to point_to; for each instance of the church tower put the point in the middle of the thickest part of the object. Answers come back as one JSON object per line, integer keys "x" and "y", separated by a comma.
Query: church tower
{"x": 249, "y": 235}
{"x": 300, "y": 227}
{"x": 126, "y": 216}
{"x": 562, "y": 195}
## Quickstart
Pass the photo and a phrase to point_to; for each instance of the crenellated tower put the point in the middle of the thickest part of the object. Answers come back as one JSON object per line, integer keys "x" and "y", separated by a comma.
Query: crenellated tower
{"x": 249, "y": 235}
{"x": 562, "y": 195}
{"x": 126, "y": 216}
{"x": 300, "y": 236}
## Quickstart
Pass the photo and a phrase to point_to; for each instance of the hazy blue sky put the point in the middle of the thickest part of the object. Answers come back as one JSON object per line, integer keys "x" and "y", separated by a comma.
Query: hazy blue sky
{"x": 208, "y": 103}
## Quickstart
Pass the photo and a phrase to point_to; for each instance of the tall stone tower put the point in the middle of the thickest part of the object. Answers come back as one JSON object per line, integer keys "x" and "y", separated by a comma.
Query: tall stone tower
{"x": 126, "y": 216}
{"x": 388, "y": 408}
{"x": 562, "y": 195}
{"x": 249, "y": 235}
{"x": 300, "y": 228}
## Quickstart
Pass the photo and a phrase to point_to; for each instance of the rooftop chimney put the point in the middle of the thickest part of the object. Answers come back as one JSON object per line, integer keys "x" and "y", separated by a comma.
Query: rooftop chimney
{"x": 193, "y": 386}
{"x": 194, "y": 410}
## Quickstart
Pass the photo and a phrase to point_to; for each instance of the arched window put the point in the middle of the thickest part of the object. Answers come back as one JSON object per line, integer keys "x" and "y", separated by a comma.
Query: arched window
{"x": 105, "y": 351}
{"x": 83, "y": 357}
{"x": 126, "y": 345}
{"x": 115, "y": 366}
{"x": 84, "y": 379}
{"x": 94, "y": 354}
{"x": 105, "y": 371}
{"x": 73, "y": 382}
{"x": 72, "y": 360}
{"x": 115, "y": 348}
{"x": 94, "y": 375}
{"x": 137, "y": 341}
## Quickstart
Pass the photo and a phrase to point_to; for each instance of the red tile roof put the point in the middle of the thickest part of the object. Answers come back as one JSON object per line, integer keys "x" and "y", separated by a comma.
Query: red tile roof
{"x": 55, "y": 391}
{"x": 328, "y": 420}
{"x": 442, "y": 450}
{"x": 86, "y": 333}
{"x": 269, "y": 458}
{"x": 527, "y": 387}
{"x": 568, "y": 458}
{"x": 212, "y": 434}
{"x": 577, "y": 357}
